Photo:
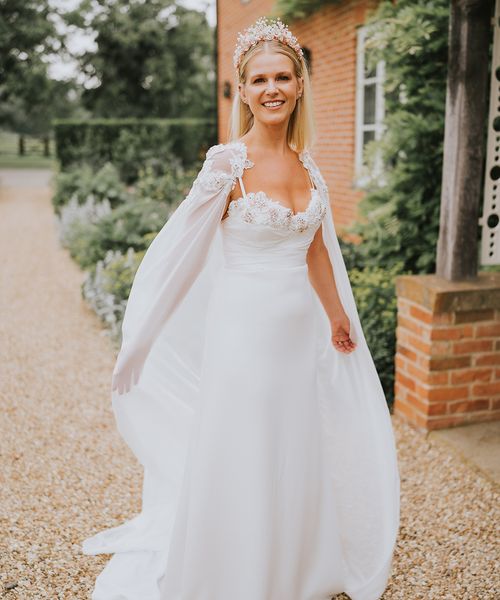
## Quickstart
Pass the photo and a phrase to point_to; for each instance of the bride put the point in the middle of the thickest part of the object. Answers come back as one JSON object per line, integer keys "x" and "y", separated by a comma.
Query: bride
{"x": 244, "y": 384}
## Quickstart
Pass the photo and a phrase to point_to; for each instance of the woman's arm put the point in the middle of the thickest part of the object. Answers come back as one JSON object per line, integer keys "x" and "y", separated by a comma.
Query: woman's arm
{"x": 323, "y": 280}
{"x": 172, "y": 263}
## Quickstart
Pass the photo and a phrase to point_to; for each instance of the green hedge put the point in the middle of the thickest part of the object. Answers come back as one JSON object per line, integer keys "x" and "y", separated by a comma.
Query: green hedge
{"x": 375, "y": 294}
{"x": 131, "y": 144}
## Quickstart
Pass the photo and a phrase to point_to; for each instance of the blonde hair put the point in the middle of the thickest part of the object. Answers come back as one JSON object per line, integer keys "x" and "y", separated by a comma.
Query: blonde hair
{"x": 301, "y": 132}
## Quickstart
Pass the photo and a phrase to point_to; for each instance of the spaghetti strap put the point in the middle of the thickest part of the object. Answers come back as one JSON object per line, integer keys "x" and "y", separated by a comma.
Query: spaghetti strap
{"x": 313, "y": 187}
{"x": 242, "y": 187}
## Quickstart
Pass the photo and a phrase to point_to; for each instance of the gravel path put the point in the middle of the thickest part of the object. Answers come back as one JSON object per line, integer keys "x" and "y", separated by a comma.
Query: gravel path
{"x": 66, "y": 473}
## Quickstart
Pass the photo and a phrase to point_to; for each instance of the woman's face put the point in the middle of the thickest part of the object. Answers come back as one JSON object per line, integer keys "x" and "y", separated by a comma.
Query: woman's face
{"x": 271, "y": 78}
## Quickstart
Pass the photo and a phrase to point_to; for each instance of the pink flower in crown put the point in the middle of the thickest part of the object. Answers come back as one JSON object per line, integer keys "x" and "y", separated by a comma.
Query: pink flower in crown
{"x": 264, "y": 29}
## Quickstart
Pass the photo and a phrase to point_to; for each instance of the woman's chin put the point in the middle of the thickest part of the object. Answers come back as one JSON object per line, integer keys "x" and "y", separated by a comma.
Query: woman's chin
{"x": 270, "y": 119}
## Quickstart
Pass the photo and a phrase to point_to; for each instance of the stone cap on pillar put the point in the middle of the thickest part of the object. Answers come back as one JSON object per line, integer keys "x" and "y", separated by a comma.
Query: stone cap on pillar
{"x": 440, "y": 295}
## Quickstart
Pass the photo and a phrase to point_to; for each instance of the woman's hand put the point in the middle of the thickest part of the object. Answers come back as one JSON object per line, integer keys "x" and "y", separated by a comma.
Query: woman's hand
{"x": 128, "y": 369}
{"x": 341, "y": 334}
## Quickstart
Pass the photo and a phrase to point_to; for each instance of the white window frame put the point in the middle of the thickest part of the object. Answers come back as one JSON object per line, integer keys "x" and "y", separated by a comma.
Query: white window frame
{"x": 361, "y": 174}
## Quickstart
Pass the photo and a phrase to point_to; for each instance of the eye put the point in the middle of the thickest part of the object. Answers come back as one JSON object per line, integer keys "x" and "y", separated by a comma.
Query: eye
{"x": 259, "y": 79}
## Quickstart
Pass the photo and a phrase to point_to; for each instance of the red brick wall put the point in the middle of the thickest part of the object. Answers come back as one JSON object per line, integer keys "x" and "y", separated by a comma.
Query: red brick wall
{"x": 330, "y": 34}
{"x": 447, "y": 359}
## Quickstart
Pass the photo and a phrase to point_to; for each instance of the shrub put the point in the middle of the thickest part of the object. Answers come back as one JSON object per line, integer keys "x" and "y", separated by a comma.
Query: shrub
{"x": 350, "y": 253}
{"x": 75, "y": 216}
{"x": 107, "y": 287}
{"x": 124, "y": 227}
{"x": 171, "y": 187}
{"x": 82, "y": 183}
{"x": 375, "y": 295}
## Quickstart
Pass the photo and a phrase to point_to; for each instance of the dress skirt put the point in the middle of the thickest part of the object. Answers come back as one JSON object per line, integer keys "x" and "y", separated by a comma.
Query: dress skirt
{"x": 257, "y": 516}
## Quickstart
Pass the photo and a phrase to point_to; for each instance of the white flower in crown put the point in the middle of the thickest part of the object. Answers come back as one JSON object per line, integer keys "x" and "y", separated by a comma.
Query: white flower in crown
{"x": 264, "y": 29}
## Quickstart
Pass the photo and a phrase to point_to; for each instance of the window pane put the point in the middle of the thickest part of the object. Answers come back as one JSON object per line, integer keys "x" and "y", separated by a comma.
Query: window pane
{"x": 369, "y": 68}
{"x": 369, "y": 105}
{"x": 369, "y": 72}
{"x": 368, "y": 136}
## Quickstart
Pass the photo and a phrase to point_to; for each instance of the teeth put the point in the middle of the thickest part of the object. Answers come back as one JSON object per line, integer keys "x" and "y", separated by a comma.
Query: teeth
{"x": 277, "y": 103}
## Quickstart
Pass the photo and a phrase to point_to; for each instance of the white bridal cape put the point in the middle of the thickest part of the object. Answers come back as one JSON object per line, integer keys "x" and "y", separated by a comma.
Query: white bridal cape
{"x": 270, "y": 467}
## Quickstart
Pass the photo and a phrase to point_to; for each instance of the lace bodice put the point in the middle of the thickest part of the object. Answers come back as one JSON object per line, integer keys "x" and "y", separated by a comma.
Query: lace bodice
{"x": 258, "y": 208}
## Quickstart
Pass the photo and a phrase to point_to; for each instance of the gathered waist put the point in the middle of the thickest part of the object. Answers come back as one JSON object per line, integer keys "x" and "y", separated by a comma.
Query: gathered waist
{"x": 263, "y": 267}
{"x": 265, "y": 261}
{"x": 264, "y": 253}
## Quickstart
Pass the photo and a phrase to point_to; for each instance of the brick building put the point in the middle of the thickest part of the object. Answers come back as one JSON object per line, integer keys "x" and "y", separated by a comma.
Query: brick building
{"x": 348, "y": 101}
{"x": 448, "y": 335}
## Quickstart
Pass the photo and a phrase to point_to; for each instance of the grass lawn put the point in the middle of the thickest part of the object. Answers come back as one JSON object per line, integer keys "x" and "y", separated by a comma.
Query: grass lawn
{"x": 33, "y": 159}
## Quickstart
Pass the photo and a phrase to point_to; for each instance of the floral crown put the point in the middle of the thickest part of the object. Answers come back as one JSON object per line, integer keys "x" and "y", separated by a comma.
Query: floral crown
{"x": 264, "y": 29}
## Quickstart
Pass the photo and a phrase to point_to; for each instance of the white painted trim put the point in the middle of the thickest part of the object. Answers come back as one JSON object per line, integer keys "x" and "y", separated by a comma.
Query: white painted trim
{"x": 358, "y": 131}
{"x": 361, "y": 177}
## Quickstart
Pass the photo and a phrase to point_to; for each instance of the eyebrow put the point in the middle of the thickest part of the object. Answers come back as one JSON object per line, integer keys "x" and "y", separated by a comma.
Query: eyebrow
{"x": 263, "y": 74}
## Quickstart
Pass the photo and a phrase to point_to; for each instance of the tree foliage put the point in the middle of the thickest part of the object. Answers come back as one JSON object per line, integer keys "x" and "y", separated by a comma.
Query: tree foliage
{"x": 28, "y": 97}
{"x": 400, "y": 217}
{"x": 152, "y": 59}
{"x": 26, "y": 34}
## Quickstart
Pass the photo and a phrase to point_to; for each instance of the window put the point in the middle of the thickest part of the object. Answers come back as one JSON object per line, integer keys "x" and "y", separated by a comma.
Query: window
{"x": 369, "y": 110}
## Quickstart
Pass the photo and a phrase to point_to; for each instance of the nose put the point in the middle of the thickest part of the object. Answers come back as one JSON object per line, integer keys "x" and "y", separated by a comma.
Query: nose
{"x": 271, "y": 87}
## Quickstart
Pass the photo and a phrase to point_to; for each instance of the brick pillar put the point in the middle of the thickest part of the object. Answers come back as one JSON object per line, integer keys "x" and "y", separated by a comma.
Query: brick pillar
{"x": 448, "y": 350}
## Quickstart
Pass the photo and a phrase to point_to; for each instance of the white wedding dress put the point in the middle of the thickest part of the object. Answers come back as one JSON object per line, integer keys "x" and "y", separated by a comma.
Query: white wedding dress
{"x": 270, "y": 468}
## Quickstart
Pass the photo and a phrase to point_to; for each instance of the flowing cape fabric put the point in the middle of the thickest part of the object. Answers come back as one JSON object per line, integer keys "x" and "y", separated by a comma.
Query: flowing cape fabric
{"x": 165, "y": 317}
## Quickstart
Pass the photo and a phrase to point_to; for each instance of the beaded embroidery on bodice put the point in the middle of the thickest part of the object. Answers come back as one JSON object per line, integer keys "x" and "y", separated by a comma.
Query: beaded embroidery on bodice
{"x": 258, "y": 208}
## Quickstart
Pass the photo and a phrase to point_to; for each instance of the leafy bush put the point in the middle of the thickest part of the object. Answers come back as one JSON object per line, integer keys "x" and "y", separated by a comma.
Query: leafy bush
{"x": 375, "y": 294}
{"x": 107, "y": 287}
{"x": 82, "y": 183}
{"x": 170, "y": 187}
{"x": 124, "y": 227}
{"x": 75, "y": 216}
{"x": 350, "y": 253}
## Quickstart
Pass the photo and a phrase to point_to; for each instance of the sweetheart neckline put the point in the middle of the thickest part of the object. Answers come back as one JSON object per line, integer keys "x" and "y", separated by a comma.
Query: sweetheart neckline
{"x": 301, "y": 156}
{"x": 276, "y": 202}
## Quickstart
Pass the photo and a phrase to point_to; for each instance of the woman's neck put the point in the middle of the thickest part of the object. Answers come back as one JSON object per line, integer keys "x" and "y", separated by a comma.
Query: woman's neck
{"x": 272, "y": 139}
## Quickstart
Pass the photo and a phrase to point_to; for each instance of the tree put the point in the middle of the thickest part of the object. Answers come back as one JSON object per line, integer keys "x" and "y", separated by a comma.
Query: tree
{"x": 29, "y": 99}
{"x": 26, "y": 34}
{"x": 152, "y": 59}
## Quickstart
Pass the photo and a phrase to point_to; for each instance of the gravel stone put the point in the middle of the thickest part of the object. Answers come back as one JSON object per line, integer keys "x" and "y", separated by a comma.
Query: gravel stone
{"x": 66, "y": 473}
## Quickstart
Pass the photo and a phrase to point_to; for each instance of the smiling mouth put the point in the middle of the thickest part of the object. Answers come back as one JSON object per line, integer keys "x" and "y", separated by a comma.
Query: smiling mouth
{"x": 273, "y": 104}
